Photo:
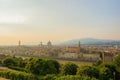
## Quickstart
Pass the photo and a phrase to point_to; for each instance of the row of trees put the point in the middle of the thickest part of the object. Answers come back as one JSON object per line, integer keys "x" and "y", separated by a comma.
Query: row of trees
{"x": 42, "y": 67}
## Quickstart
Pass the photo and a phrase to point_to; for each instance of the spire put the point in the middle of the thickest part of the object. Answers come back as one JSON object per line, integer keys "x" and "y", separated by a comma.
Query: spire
{"x": 79, "y": 44}
{"x": 41, "y": 44}
{"x": 79, "y": 47}
{"x": 19, "y": 43}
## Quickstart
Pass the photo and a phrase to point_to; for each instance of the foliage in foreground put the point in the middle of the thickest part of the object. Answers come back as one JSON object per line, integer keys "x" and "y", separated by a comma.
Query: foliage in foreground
{"x": 69, "y": 69}
{"x": 88, "y": 71}
{"x": 13, "y": 61}
{"x": 38, "y": 68}
{"x": 105, "y": 73}
{"x": 42, "y": 66}
{"x": 70, "y": 77}
{"x": 117, "y": 62}
{"x": 66, "y": 77}
{"x": 49, "y": 77}
{"x": 17, "y": 75}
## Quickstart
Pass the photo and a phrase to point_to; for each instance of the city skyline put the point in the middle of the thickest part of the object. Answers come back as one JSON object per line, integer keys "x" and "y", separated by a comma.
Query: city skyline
{"x": 58, "y": 20}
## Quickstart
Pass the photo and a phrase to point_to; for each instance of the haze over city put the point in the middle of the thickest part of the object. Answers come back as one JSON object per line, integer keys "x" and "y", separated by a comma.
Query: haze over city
{"x": 59, "y": 39}
{"x": 58, "y": 20}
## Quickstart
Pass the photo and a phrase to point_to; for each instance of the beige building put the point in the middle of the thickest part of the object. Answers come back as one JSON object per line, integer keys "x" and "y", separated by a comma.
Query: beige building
{"x": 68, "y": 55}
{"x": 71, "y": 52}
{"x": 107, "y": 57}
{"x": 74, "y": 49}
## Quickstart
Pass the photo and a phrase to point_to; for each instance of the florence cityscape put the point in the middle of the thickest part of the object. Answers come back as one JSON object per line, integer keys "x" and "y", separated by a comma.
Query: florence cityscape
{"x": 59, "y": 40}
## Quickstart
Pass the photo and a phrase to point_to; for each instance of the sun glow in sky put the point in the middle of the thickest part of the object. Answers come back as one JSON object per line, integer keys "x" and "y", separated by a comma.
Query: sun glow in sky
{"x": 7, "y": 19}
{"x": 58, "y": 20}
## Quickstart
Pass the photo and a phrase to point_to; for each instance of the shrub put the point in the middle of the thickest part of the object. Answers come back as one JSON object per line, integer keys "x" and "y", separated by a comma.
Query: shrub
{"x": 105, "y": 73}
{"x": 69, "y": 69}
{"x": 16, "y": 68}
{"x": 113, "y": 70}
{"x": 42, "y": 66}
{"x": 17, "y": 75}
{"x": 117, "y": 62}
{"x": 90, "y": 71}
{"x": 9, "y": 61}
{"x": 56, "y": 65}
{"x": 49, "y": 77}
{"x": 14, "y": 62}
{"x": 71, "y": 77}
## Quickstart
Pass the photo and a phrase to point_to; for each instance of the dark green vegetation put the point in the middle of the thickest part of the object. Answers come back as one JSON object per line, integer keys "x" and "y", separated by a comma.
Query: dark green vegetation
{"x": 90, "y": 71}
{"x": 17, "y": 75}
{"x": 76, "y": 77}
{"x": 117, "y": 62}
{"x": 42, "y": 66}
{"x": 69, "y": 69}
{"x": 48, "y": 69}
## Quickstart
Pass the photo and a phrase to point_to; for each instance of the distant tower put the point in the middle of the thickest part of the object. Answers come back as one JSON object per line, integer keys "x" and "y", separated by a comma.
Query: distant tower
{"x": 19, "y": 43}
{"x": 79, "y": 44}
{"x": 41, "y": 45}
{"x": 103, "y": 57}
{"x": 79, "y": 47}
{"x": 49, "y": 44}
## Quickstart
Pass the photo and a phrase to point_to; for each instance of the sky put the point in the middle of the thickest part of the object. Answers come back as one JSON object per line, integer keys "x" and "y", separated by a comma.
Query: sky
{"x": 58, "y": 20}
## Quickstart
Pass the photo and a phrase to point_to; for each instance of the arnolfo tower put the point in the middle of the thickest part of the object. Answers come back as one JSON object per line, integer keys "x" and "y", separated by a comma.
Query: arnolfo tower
{"x": 79, "y": 48}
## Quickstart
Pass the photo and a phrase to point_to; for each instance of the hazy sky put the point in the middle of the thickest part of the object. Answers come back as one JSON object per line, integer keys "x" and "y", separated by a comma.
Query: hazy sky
{"x": 58, "y": 20}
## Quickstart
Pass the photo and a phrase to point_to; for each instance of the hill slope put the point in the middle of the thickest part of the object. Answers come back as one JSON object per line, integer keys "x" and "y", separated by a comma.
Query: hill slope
{"x": 91, "y": 41}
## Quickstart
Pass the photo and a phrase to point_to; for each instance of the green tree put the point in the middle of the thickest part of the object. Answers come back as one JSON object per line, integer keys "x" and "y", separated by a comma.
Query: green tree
{"x": 90, "y": 71}
{"x": 41, "y": 66}
{"x": 56, "y": 65}
{"x": 111, "y": 67}
{"x": 98, "y": 63}
{"x": 33, "y": 65}
{"x": 9, "y": 61}
{"x": 21, "y": 63}
{"x": 117, "y": 62}
{"x": 105, "y": 73}
{"x": 69, "y": 69}
{"x": 47, "y": 67}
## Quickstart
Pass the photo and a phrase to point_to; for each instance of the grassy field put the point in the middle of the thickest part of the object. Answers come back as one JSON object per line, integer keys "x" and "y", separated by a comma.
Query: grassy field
{"x": 62, "y": 61}
{"x": 79, "y": 63}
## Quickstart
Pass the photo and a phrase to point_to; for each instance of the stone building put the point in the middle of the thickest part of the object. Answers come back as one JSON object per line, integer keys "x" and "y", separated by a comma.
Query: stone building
{"x": 74, "y": 49}
{"x": 107, "y": 57}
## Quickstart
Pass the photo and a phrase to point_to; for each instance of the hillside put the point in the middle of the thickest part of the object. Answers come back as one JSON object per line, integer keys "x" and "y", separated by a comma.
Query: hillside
{"x": 91, "y": 41}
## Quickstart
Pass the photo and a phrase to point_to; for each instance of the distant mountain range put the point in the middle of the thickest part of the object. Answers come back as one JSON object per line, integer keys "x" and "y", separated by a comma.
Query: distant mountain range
{"x": 91, "y": 41}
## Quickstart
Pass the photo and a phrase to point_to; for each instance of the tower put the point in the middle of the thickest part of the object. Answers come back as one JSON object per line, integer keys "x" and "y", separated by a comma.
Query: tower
{"x": 41, "y": 45}
{"x": 79, "y": 44}
{"x": 19, "y": 43}
{"x": 80, "y": 54}
{"x": 79, "y": 48}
